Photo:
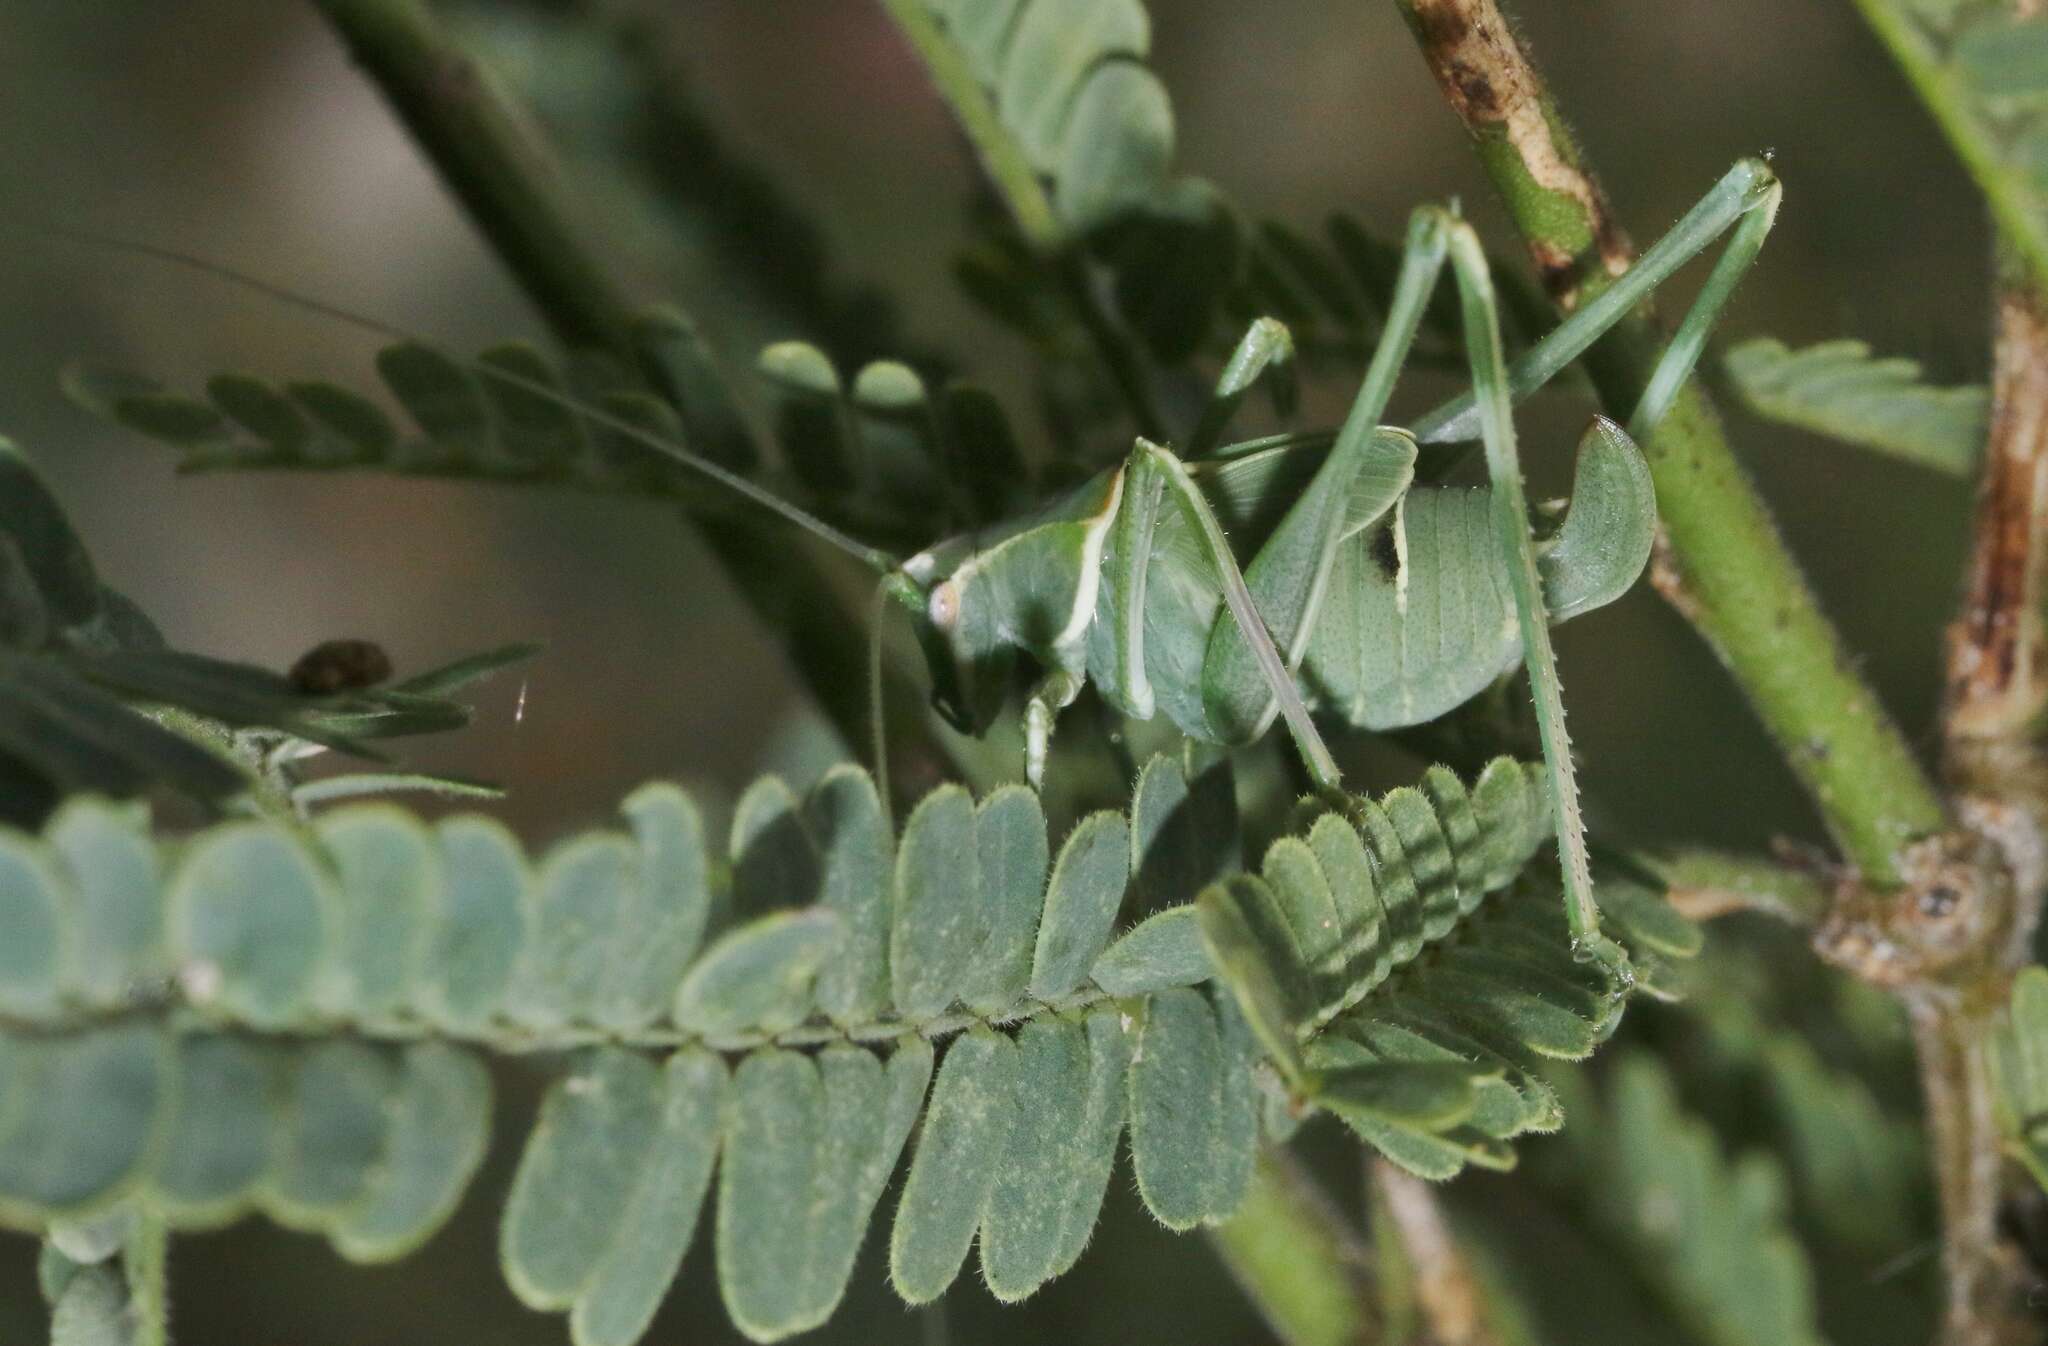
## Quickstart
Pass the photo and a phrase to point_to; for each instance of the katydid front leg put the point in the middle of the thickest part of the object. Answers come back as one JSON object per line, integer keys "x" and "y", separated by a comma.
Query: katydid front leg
{"x": 1290, "y": 577}
{"x": 1150, "y": 464}
{"x": 1053, "y": 693}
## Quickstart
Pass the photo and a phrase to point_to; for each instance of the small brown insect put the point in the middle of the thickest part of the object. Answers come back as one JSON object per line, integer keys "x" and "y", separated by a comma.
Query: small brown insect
{"x": 340, "y": 666}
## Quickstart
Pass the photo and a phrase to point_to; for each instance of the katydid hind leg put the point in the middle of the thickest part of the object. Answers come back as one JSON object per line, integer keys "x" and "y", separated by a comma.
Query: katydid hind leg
{"x": 1745, "y": 199}
{"x": 1511, "y": 515}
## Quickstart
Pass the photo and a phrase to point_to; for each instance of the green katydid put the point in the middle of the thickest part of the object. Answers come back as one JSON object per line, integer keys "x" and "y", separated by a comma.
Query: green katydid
{"x": 1393, "y": 603}
{"x": 1104, "y": 583}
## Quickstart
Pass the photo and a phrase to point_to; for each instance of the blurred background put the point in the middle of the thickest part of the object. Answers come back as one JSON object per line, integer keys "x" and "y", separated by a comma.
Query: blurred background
{"x": 236, "y": 129}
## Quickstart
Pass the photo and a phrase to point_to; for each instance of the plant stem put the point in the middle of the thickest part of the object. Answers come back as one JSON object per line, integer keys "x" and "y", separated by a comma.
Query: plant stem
{"x": 1298, "y": 1260}
{"x": 1997, "y": 688}
{"x": 1446, "y": 1290}
{"x": 146, "y": 1263}
{"x": 1997, "y": 652}
{"x": 1011, "y": 174}
{"x": 1987, "y": 1281}
{"x": 1704, "y": 884}
{"x": 1728, "y": 572}
{"x": 492, "y": 160}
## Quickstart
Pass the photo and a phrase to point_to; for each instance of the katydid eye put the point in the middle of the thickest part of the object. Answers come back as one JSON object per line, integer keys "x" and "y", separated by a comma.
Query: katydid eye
{"x": 944, "y": 606}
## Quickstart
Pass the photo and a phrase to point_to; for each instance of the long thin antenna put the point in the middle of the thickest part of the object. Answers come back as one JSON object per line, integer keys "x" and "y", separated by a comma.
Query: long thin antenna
{"x": 883, "y": 562}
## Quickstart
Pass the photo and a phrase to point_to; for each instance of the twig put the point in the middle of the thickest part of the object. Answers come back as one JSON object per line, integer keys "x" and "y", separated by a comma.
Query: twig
{"x": 1997, "y": 652}
{"x": 1997, "y": 689}
{"x": 1449, "y": 1295}
{"x": 1987, "y": 1279}
{"x": 1298, "y": 1260}
{"x": 493, "y": 162}
{"x": 1740, "y": 586}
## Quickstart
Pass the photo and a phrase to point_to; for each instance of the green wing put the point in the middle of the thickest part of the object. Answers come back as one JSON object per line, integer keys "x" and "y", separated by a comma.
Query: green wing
{"x": 1421, "y": 618}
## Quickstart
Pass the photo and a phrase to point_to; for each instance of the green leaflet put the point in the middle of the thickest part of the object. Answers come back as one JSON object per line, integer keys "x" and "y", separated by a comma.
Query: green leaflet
{"x": 621, "y": 1296}
{"x": 77, "y": 1118}
{"x": 1057, "y": 98}
{"x": 331, "y": 1143}
{"x": 809, "y": 1144}
{"x": 1011, "y": 852}
{"x": 470, "y": 959}
{"x": 440, "y": 1126}
{"x": 1081, "y": 904}
{"x": 1164, "y": 950}
{"x": 251, "y": 920}
{"x": 1184, "y": 827}
{"x": 965, "y": 1129}
{"x": 219, "y": 1138}
{"x": 385, "y": 865}
{"x": 1428, "y": 1060}
{"x": 578, "y": 1173}
{"x": 774, "y": 857}
{"x": 759, "y": 977}
{"x": 844, "y": 814}
{"x": 941, "y": 915}
{"x": 1065, "y": 1112}
{"x": 1711, "y": 1235}
{"x": 879, "y": 438}
{"x": 788, "y": 1048}
{"x": 32, "y": 958}
{"x": 1839, "y": 389}
{"x": 1193, "y": 1112}
{"x": 495, "y": 420}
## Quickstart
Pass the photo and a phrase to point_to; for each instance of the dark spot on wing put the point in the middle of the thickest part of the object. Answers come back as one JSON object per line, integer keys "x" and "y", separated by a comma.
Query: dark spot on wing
{"x": 1385, "y": 554}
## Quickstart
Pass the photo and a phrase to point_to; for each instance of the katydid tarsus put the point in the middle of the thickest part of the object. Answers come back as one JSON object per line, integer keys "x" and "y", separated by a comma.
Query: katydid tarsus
{"x": 1375, "y": 600}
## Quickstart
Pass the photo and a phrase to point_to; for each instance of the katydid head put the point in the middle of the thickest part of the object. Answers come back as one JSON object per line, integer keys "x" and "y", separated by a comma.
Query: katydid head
{"x": 970, "y": 678}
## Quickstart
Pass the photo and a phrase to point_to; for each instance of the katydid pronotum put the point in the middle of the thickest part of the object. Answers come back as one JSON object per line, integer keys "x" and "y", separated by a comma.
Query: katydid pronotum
{"x": 1381, "y": 602}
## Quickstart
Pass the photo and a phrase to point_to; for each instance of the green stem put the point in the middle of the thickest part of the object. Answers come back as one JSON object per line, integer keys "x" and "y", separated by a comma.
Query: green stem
{"x": 490, "y": 158}
{"x": 488, "y": 153}
{"x": 146, "y": 1262}
{"x": 1729, "y": 571}
{"x": 1706, "y": 883}
{"x": 1023, "y": 194}
{"x": 1305, "y": 1268}
{"x": 1012, "y": 175}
